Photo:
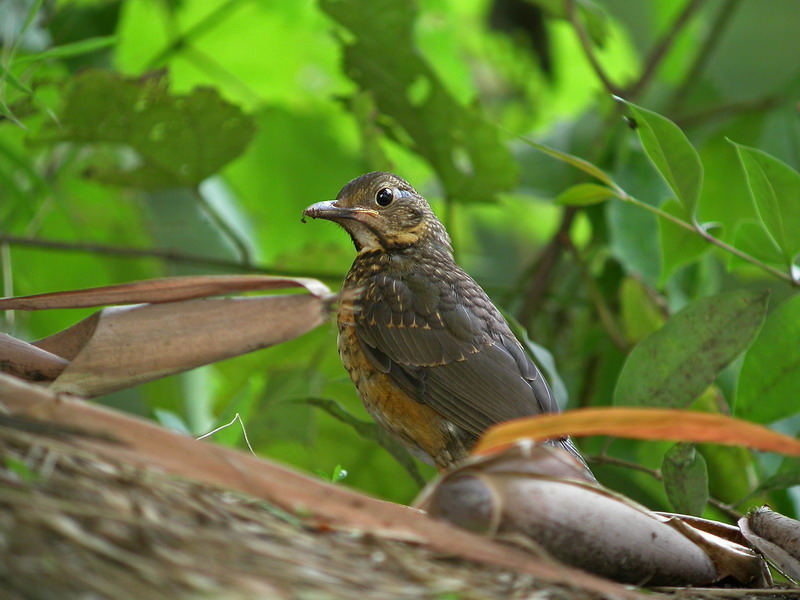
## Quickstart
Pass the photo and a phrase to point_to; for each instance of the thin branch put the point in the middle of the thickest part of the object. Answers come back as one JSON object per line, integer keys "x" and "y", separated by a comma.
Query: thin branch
{"x": 660, "y": 51}
{"x": 167, "y": 255}
{"x": 727, "y": 110}
{"x": 588, "y": 50}
{"x": 715, "y": 31}
{"x": 698, "y": 230}
{"x": 604, "y": 459}
{"x": 601, "y": 306}
{"x": 210, "y": 21}
{"x": 548, "y": 259}
{"x": 225, "y": 227}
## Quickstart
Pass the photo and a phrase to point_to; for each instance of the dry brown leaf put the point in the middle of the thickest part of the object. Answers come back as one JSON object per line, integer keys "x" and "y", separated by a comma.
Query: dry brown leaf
{"x": 777, "y": 537}
{"x": 174, "y": 331}
{"x": 582, "y": 523}
{"x": 132, "y": 345}
{"x": 639, "y": 423}
{"x": 144, "y": 444}
{"x": 27, "y": 361}
{"x": 167, "y": 289}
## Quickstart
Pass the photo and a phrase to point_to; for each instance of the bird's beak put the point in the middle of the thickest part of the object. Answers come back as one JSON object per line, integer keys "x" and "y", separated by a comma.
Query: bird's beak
{"x": 329, "y": 210}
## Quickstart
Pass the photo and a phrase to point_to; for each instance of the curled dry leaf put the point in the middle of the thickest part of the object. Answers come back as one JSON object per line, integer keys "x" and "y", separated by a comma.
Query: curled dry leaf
{"x": 777, "y": 537}
{"x": 167, "y": 289}
{"x": 27, "y": 361}
{"x": 534, "y": 492}
{"x": 175, "y": 331}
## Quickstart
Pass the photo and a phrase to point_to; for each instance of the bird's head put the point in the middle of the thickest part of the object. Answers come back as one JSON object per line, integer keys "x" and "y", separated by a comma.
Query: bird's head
{"x": 382, "y": 211}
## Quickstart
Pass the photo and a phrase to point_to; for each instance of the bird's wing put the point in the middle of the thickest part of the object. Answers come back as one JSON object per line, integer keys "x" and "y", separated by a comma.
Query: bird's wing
{"x": 455, "y": 356}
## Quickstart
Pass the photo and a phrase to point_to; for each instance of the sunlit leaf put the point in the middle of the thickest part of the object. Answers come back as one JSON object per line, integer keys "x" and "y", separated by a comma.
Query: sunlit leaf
{"x": 770, "y": 377}
{"x": 685, "y": 479}
{"x": 464, "y": 149}
{"x": 672, "y": 154}
{"x": 678, "y": 362}
{"x": 179, "y": 140}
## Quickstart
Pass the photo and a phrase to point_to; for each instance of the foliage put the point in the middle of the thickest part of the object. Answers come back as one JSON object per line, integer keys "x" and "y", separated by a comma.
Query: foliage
{"x": 643, "y": 242}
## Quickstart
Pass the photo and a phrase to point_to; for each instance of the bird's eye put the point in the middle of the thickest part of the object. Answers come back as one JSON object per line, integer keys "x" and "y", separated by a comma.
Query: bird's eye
{"x": 384, "y": 197}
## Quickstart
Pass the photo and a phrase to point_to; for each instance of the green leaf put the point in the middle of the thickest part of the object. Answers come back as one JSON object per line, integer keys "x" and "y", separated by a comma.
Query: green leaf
{"x": 770, "y": 377}
{"x": 641, "y": 316}
{"x": 578, "y": 163}
{"x": 70, "y": 50}
{"x": 672, "y": 154}
{"x": 672, "y": 367}
{"x": 585, "y": 194}
{"x": 780, "y": 481}
{"x": 685, "y": 479}
{"x": 179, "y": 140}
{"x": 775, "y": 189}
{"x": 464, "y": 149}
{"x": 634, "y": 239}
{"x": 751, "y": 237}
{"x": 679, "y": 246}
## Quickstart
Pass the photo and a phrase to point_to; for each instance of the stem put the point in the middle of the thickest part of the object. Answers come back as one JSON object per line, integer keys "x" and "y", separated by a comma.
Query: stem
{"x": 661, "y": 49}
{"x": 208, "y": 22}
{"x": 161, "y": 254}
{"x": 586, "y": 44}
{"x": 601, "y": 306}
{"x": 716, "y": 29}
{"x": 225, "y": 228}
{"x": 708, "y": 237}
{"x": 604, "y": 459}
{"x": 544, "y": 267}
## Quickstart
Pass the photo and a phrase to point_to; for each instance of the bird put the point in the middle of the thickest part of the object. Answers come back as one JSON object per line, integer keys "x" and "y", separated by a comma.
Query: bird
{"x": 433, "y": 360}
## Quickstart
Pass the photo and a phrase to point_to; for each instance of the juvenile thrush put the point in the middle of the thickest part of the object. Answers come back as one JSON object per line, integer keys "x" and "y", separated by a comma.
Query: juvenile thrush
{"x": 433, "y": 360}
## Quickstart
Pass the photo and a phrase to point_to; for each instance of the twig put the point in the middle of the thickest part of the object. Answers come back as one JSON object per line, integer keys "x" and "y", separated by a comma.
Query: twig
{"x": 716, "y": 29}
{"x": 225, "y": 228}
{"x": 209, "y": 22}
{"x": 727, "y": 110}
{"x": 586, "y": 44}
{"x": 548, "y": 259}
{"x": 725, "y": 509}
{"x": 697, "y": 229}
{"x": 661, "y": 49}
{"x": 161, "y": 254}
{"x": 601, "y": 306}
{"x": 605, "y": 459}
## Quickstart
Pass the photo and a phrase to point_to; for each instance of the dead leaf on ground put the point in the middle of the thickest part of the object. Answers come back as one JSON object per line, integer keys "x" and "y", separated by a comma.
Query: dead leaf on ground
{"x": 530, "y": 495}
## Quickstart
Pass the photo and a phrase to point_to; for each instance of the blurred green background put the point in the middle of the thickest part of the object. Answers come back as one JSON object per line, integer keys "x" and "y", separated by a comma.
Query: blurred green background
{"x": 145, "y": 138}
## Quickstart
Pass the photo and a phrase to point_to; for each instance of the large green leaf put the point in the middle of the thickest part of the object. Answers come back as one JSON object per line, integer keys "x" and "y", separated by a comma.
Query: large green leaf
{"x": 463, "y": 148}
{"x": 672, "y": 154}
{"x": 770, "y": 377}
{"x": 775, "y": 189}
{"x": 685, "y": 479}
{"x": 178, "y": 140}
{"x": 672, "y": 367}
